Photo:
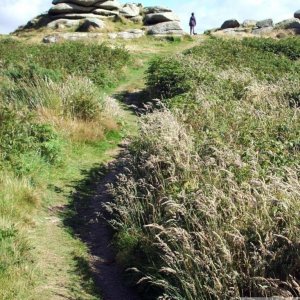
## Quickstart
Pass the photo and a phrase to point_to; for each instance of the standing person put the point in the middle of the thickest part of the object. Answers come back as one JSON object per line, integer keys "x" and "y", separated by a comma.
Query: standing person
{"x": 192, "y": 24}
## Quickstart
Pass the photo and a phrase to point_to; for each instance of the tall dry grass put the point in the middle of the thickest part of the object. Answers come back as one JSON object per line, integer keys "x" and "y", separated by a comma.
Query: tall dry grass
{"x": 76, "y": 97}
{"x": 208, "y": 205}
{"x": 75, "y": 107}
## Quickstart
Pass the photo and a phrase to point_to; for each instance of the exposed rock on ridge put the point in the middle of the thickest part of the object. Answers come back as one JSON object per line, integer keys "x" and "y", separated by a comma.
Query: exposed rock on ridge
{"x": 88, "y": 15}
{"x": 263, "y": 27}
{"x": 172, "y": 28}
{"x": 161, "y": 21}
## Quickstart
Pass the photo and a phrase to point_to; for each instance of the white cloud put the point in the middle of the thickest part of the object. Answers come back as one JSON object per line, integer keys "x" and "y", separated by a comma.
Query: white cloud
{"x": 14, "y": 13}
{"x": 209, "y": 13}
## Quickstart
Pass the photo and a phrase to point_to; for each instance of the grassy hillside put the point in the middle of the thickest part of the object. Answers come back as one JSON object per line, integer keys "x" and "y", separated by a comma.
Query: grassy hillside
{"x": 55, "y": 121}
{"x": 208, "y": 205}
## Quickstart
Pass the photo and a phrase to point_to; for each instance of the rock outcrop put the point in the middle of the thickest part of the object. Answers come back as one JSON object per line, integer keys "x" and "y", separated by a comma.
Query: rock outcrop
{"x": 263, "y": 27}
{"x": 230, "y": 24}
{"x": 79, "y": 2}
{"x": 127, "y": 35}
{"x": 262, "y": 31}
{"x": 155, "y": 18}
{"x": 161, "y": 21}
{"x": 62, "y": 23}
{"x": 156, "y": 9}
{"x": 249, "y": 23}
{"x": 78, "y": 10}
{"x": 101, "y": 9}
{"x": 293, "y": 23}
{"x": 165, "y": 28}
{"x": 68, "y": 8}
{"x": 91, "y": 15}
{"x": 90, "y": 24}
{"x": 81, "y": 36}
{"x": 130, "y": 10}
{"x": 265, "y": 23}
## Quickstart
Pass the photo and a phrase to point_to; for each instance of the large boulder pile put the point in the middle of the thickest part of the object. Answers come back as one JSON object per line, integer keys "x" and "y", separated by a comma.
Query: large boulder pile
{"x": 253, "y": 27}
{"x": 102, "y": 9}
{"x": 81, "y": 11}
{"x": 88, "y": 15}
{"x": 161, "y": 21}
{"x": 131, "y": 10}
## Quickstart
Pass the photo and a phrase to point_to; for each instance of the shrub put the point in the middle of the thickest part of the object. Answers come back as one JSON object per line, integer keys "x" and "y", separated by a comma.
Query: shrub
{"x": 19, "y": 134}
{"x": 31, "y": 72}
{"x": 167, "y": 78}
{"x": 289, "y": 47}
{"x": 170, "y": 76}
{"x": 48, "y": 141}
{"x": 101, "y": 63}
{"x": 265, "y": 65}
{"x": 80, "y": 98}
{"x": 75, "y": 97}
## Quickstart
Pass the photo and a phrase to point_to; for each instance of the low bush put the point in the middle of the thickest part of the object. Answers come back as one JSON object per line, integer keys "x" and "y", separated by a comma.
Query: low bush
{"x": 19, "y": 134}
{"x": 289, "y": 47}
{"x": 167, "y": 77}
{"x": 225, "y": 54}
{"x": 76, "y": 97}
{"x": 101, "y": 63}
{"x": 31, "y": 72}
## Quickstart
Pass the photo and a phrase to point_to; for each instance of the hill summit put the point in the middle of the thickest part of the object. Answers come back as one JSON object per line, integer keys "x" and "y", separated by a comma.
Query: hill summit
{"x": 95, "y": 15}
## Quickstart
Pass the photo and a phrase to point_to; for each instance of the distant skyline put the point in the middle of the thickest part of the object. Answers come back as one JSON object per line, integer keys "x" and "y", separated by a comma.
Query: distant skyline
{"x": 209, "y": 13}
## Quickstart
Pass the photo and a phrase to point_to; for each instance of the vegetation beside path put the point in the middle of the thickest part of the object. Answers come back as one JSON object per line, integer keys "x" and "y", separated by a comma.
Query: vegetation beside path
{"x": 56, "y": 123}
{"x": 208, "y": 204}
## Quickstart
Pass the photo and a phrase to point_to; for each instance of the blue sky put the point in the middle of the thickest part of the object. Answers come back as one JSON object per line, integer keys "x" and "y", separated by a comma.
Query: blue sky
{"x": 209, "y": 13}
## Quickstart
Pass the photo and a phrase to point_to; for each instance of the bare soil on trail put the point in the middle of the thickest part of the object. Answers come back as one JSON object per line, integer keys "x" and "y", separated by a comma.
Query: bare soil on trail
{"x": 94, "y": 230}
{"x": 88, "y": 218}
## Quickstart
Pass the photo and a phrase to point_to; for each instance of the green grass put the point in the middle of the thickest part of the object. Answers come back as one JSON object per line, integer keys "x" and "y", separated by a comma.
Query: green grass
{"x": 267, "y": 65}
{"x": 67, "y": 263}
{"x": 36, "y": 252}
{"x": 102, "y": 64}
{"x": 287, "y": 47}
{"x": 168, "y": 77}
{"x": 208, "y": 207}
{"x": 56, "y": 124}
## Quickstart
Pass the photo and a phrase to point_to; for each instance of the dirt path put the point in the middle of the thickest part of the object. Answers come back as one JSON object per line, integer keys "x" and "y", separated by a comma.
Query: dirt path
{"x": 71, "y": 241}
{"x": 88, "y": 220}
{"x": 97, "y": 234}
{"x": 63, "y": 263}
